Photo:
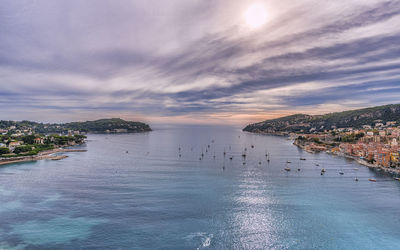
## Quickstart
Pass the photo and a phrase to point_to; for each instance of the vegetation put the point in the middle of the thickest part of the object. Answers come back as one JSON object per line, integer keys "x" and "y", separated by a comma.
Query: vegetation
{"x": 319, "y": 123}
{"x": 4, "y": 151}
{"x": 108, "y": 125}
{"x": 98, "y": 126}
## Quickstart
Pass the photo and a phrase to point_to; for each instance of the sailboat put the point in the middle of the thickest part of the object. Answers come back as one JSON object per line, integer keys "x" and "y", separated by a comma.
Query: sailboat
{"x": 287, "y": 169}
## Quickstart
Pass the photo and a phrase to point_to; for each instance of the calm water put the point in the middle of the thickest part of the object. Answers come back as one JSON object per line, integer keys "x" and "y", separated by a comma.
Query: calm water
{"x": 150, "y": 198}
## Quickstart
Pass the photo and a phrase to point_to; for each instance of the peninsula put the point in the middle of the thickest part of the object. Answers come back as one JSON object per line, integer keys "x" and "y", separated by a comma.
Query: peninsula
{"x": 369, "y": 135}
{"x": 22, "y": 141}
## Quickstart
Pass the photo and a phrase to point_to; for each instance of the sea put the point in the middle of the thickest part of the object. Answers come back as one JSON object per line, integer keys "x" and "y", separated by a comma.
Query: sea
{"x": 189, "y": 187}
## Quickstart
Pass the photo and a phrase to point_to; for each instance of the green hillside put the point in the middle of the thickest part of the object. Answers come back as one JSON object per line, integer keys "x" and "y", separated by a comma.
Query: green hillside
{"x": 114, "y": 125}
{"x": 310, "y": 123}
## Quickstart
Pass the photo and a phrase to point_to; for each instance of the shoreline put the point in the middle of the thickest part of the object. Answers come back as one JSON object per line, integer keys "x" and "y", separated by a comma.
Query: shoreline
{"x": 44, "y": 155}
{"x": 392, "y": 171}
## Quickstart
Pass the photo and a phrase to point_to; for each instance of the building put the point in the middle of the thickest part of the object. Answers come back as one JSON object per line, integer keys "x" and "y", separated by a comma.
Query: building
{"x": 383, "y": 159}
{"x": 394, "y": 143}
{"x": 12, "y": 145}
{"x": 38, "y": 140}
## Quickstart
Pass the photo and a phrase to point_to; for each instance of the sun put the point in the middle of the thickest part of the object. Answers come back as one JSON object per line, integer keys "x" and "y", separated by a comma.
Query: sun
{"x": 255, "y": 15}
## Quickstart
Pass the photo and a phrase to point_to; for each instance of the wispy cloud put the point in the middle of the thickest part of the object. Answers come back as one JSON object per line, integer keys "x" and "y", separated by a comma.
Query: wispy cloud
{"x": 195, "y": 59}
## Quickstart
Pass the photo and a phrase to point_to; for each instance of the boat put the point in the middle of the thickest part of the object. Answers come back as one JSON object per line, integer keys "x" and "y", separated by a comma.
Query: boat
{"x": 316, "y": 164}
{"x": 355, "y": 169}
{"x": 302, "y": 159}
{"x": 397, "y": 179}
{"x": 373, "y": 180}
{"x": 298, "y": 169}
{"x": 252, "y": 146}
{"x": 356, "y": 179}
{"x": 287, "y": 169}
{"x": 323, "y": 170}
{"x": 231, "y": 158}
{"x": 288, "y": 162}
{"x": 341, "y": 173}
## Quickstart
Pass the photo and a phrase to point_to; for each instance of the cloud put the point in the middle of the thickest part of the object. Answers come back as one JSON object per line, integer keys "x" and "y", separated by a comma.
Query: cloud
{"x": 195, "y": 58}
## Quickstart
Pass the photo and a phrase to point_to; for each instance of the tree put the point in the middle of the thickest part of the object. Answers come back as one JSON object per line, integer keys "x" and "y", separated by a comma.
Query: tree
{"x": 28, "y": 139}
{"x": 4, "y": 151}
{"x": 22, "y": 149}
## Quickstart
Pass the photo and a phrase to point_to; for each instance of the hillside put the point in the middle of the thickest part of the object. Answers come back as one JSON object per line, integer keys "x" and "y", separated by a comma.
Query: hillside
{"x": 310, "y": 123}
{"x": 114, "y": 125}
{"x": 108, "y": 125}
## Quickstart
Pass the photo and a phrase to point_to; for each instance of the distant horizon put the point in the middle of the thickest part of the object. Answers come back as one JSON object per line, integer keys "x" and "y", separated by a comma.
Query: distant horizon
{"x": 180, "y": 123}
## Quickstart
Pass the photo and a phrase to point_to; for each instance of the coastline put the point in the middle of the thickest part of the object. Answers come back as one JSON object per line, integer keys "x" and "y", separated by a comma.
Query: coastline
{"x": 44, "y": 155}
{"x": 357, "y": 159}
{"x": 395, "y": 172}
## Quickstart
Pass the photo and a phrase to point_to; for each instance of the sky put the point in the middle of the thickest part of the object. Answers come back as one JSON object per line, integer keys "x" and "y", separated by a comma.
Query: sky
{"x": 196, "y": 61}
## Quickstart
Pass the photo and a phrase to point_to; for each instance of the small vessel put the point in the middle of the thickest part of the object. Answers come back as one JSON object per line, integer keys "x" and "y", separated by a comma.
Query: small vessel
{"x": 288, "y": 161}
{"x": 127, "y": 151}
{"x": 252, "y": 146}
{"x": 244, "y": 155}
{"x": 298, "y": 169}
{"x": 341, "y": 173}
{"x": 373, "y": 180}
{"x": 180, "y": 155}
{"x": 397, "y": 179}
{"x": 323, "y": 170}
{"x": 231, "y": 158}
{"x": 302, "y": 159}
{"x": 316, "y": 164}
{"x": 259, "y": 163}
{"x": 355, "y": 169}
{"x": 287, "y": 169}
{"x": 356, "y": 179}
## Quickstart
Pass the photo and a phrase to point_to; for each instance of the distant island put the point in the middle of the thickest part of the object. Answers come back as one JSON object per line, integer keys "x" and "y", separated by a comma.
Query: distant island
{"x": 370, "y": 135}
{"x": 29, "y": 141}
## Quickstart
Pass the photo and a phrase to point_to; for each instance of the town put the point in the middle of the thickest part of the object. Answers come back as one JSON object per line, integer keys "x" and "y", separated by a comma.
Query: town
{"x": 25, "y": 141}
{"x": 374, "y": 146}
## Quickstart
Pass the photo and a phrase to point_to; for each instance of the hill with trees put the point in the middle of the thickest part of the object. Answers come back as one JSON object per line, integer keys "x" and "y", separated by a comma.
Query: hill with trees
{"x": 114, "y": 125}
{"x": 318, "y": 123}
